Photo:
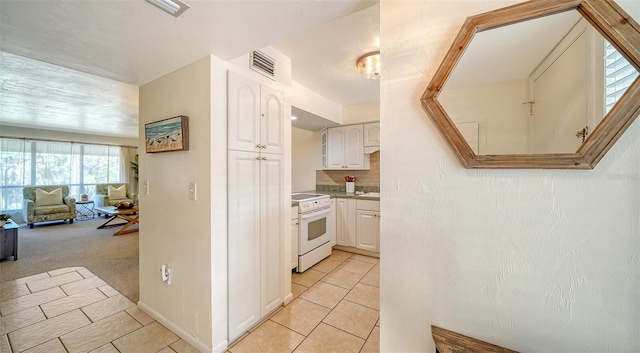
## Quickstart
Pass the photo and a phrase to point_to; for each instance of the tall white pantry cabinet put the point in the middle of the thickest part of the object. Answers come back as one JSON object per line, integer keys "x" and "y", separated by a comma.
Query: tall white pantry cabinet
{"x": 256, "y": 203}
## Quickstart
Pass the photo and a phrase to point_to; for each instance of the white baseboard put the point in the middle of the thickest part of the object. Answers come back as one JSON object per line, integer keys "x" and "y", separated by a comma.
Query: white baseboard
{"x": 288, "y": 298}
{"x": 221, "y": 347}
{"x": 178, "y": 331}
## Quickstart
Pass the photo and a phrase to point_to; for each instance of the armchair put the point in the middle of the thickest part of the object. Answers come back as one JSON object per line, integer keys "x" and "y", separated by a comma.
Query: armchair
{"x": 106, "y": 198}
{"x": 47, "y": 203}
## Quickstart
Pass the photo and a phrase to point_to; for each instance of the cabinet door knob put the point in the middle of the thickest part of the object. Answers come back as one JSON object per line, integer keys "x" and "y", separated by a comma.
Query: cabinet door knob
{"x": 258, "y": 146}
{"x": 264, "y": 158}
{"x": 264, "y": 146}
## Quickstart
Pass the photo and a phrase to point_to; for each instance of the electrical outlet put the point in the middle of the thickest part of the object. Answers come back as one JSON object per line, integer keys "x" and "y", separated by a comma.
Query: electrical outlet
{"x": 165, "y": 273}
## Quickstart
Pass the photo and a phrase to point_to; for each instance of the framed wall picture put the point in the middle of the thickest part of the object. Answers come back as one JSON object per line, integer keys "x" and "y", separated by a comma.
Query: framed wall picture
{"x": 167, "y": 135}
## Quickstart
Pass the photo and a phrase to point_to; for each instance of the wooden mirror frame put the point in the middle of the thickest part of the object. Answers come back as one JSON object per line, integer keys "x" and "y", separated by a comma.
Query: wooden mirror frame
{"x": 609, "y": 19}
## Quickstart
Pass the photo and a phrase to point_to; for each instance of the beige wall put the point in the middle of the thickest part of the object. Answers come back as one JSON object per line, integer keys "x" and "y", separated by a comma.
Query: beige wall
{"x": 360, "y": 112}
{"x": 306, "y": 158}
{"x": 532, "y": 260}
{"x": 503, "y": 128}
{"x": 173, "y": 229}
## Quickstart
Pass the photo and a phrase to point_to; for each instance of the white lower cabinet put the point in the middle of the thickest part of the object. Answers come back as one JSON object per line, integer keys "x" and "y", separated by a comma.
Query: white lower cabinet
{"x": 358, "y": 224}
{"x": 332, "y": 222}
{"x": 346, "y": 222}
{"x": 368, "y": 225}
{"x": 368, "y": 233}
{"x": 294, "y": 237}
{"x": 256, "y": 206}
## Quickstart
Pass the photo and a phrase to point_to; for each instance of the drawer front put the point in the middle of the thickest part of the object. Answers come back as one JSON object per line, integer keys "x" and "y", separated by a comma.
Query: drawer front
{"x": 368, "y": 205}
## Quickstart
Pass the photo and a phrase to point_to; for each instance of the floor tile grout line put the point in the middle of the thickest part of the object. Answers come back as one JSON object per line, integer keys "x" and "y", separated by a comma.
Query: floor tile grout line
{"x": 321, "y": 321}
{"x": 60, "y": 286}
{"x": 349, "y": 333}
{"x": 117, "y": 338}
{"x": 366, "y": 306}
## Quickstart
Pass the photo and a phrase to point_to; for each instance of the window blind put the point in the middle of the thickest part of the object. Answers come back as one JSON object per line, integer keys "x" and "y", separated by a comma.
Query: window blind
{"x": 619, "y": 75}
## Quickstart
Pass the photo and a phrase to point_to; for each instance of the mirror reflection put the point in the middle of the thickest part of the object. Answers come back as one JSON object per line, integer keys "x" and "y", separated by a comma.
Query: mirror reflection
{"x": 538, "y": 86}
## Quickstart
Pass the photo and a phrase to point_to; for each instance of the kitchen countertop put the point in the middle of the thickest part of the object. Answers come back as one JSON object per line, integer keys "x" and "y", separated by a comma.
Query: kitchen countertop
{"x": 336, "y": 194}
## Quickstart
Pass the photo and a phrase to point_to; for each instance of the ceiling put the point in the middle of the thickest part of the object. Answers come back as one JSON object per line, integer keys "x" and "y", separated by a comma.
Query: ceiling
{"x": 74, "y": 65}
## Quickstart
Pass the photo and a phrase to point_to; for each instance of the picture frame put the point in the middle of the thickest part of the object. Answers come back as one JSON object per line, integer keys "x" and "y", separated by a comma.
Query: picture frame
{"x": 167, "y": 135}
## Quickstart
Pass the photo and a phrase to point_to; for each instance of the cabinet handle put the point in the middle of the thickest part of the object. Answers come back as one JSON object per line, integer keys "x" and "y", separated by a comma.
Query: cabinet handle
{"x": 264, "y": 158}
{"x": 264, "y": 146}
{"x": 258, "y": 158}
{"x": 258, "y": 146}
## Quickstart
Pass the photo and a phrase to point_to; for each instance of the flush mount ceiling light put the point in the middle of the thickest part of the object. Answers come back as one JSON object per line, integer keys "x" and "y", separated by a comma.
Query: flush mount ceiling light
{"x": 369, "y": 65}
{"x": 173, "y": 7}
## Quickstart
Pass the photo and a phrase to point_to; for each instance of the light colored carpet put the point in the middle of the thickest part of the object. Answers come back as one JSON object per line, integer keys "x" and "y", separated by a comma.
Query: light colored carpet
{"x": 54, "y": 245}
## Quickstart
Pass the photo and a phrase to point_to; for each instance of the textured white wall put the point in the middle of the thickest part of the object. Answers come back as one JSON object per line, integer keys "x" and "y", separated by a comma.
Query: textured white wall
{"x": 532, "y": 260}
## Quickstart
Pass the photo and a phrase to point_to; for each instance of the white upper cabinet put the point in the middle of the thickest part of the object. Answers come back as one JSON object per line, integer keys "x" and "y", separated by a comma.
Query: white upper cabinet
{"x": 325, "y": 161}
{"x": 345, "y": 148}
{"x": 335, "y": 148}
{"x": 256, "y": 116}
{"x": 371, "y": 134}
{"x": 272, "y": 115}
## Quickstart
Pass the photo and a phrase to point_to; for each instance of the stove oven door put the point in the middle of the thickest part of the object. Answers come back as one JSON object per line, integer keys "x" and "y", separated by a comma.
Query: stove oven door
{"x": 314, "y": 230}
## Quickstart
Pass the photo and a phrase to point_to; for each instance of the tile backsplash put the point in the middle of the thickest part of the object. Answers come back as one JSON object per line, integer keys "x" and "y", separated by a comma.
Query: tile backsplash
{"x": 366, "y": 180}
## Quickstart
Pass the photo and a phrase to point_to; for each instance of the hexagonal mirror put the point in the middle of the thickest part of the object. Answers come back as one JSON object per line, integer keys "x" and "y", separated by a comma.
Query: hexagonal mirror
{"x": 539, "y": 84}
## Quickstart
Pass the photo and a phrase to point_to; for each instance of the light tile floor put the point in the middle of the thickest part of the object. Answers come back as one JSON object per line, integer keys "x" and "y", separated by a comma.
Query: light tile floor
{"x": 336, "y": 309}
{"x": 71, "y": 310}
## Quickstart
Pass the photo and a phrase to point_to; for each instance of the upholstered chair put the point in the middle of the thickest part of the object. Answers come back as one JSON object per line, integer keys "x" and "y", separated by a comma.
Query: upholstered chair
{"x": 110, "y": 194}
{"x": 47, "y": 203}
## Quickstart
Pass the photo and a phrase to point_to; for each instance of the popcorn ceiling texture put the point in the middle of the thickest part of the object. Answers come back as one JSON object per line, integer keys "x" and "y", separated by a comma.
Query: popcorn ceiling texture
{"x": 531, "y": 260}
{"x": 365, "y": 178}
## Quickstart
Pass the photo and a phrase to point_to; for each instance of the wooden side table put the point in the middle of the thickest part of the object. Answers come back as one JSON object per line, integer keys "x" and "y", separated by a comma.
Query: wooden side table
{"x": 9, "y": 240}
{"x": 84, "y": 210}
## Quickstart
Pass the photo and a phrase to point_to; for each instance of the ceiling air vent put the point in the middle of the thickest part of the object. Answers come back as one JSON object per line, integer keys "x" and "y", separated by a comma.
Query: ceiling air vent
{"x": 263, "y": 64}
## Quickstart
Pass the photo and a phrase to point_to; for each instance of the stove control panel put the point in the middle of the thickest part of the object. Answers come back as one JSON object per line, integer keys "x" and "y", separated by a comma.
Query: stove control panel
{"x": 312, "y": 205}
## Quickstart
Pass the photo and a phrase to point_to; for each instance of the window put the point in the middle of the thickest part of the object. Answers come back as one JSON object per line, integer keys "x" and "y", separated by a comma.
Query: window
{"x": 81, "y": 166}
{"x": 619, "y": 75}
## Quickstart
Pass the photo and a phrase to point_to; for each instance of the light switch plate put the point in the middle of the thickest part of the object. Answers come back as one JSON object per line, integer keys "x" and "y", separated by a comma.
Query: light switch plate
{"x": 192, "y": 191}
